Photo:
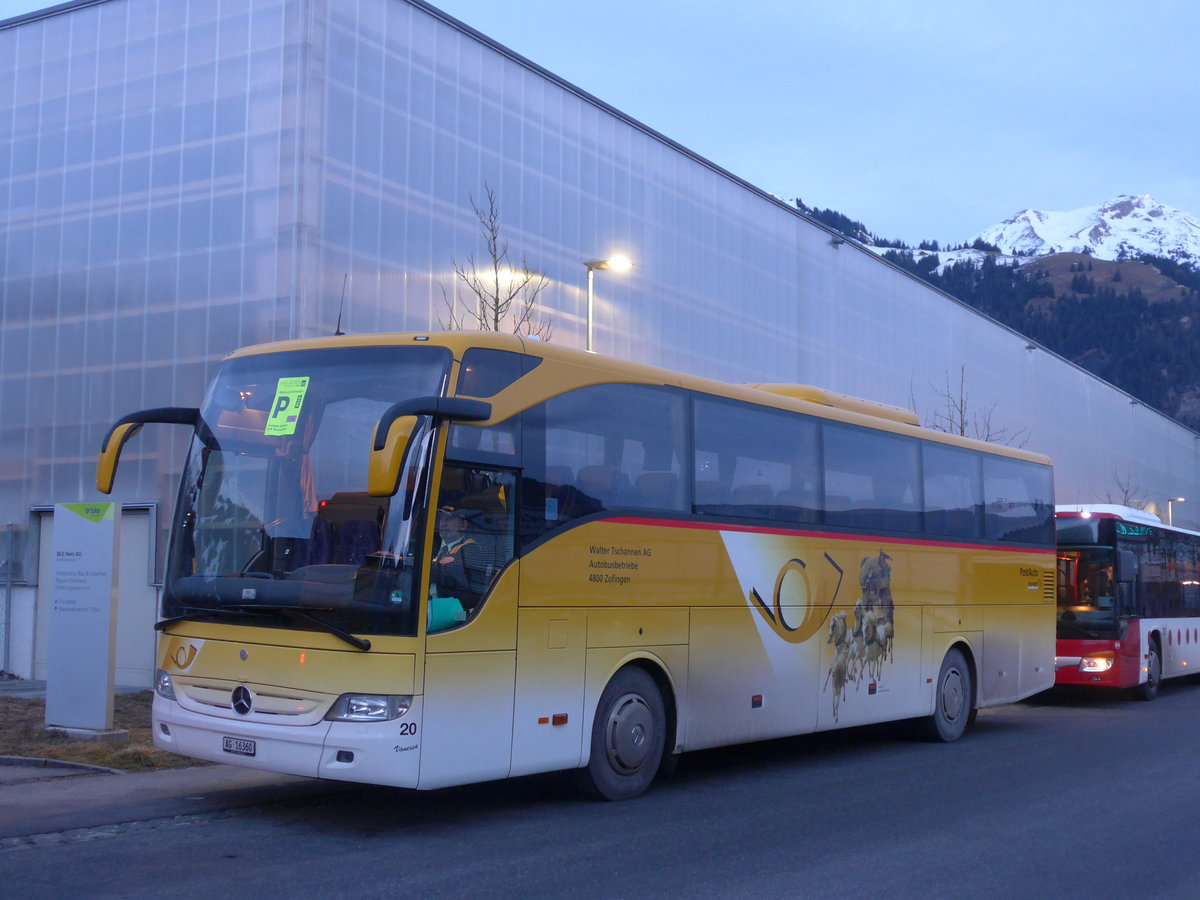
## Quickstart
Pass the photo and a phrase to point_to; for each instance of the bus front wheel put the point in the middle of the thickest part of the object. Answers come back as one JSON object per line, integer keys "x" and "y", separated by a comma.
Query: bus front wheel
{"x": 1148, "y": 689}
{"x": 952, "y": 700}
{"x": 628, "y": 735}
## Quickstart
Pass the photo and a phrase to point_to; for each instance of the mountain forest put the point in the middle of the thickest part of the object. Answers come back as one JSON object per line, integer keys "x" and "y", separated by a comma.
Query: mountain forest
{"x": 1134, "y": 322}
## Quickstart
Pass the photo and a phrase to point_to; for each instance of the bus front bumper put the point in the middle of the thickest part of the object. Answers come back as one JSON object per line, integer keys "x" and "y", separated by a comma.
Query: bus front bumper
{"x": 372, "y": 753}
{"x": 1101, "y": 665}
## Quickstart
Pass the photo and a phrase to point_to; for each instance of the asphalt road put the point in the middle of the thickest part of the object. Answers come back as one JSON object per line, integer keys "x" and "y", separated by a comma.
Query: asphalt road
{"x": 1058, "y": 797}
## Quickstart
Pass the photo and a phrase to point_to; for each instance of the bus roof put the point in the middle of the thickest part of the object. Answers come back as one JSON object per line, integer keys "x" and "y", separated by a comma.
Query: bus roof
{"x": 1107, "y": 510}
{"x": 579, "y": 368}
{"x": 1116, "y": 511}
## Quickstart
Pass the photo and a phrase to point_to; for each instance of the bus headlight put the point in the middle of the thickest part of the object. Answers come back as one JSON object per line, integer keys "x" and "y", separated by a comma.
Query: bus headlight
{"x": 163, "y": 685}
{"x": 1099, "y": 662}
{"x": 368, "y": 708}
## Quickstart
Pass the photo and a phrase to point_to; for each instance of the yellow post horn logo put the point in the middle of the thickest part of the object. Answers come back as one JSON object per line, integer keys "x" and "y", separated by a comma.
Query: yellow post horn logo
{"x": 181, "y": 653}
{"x": 814, "y": 614}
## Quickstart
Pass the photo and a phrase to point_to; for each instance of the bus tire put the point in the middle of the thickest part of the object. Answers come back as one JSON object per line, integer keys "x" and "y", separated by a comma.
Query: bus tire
{"x": 628, "y": 736}
{"x": 952, "y": 700}
{"x": 1148, "y": 689}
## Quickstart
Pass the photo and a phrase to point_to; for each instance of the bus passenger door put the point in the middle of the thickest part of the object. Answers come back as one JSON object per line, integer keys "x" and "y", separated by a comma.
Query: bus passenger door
{"x": 471, "y": 616}
{"x": 467, "y": 714}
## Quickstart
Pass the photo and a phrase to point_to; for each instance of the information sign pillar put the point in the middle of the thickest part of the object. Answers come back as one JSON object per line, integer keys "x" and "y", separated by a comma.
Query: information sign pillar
{"x": 83, "y": 620}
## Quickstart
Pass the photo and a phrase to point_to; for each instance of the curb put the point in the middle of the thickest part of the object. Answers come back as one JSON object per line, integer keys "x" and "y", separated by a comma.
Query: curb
{"x": 36, "y": 763}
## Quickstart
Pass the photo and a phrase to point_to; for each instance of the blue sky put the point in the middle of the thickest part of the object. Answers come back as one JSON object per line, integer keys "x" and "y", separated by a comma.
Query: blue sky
{"x": 931, "y": 120}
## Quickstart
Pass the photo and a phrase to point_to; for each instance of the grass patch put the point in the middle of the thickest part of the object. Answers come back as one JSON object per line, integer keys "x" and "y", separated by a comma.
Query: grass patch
{"x": 23, "y": 733}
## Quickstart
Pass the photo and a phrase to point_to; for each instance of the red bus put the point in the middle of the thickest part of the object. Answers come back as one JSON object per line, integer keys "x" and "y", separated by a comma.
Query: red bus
{"x": 1128, "y": 599}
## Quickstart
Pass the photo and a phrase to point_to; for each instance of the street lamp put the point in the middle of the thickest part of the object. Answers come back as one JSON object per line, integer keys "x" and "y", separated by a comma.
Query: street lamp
{"x": 1170, "y": 517}
{"x": 615, "y": 264}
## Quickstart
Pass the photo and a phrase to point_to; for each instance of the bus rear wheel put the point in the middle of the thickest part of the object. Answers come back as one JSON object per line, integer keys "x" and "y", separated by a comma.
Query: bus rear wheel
{"x": 953, "y": 696}
{"x": 628, "y": 736}
{"x": 1148, "y": 689}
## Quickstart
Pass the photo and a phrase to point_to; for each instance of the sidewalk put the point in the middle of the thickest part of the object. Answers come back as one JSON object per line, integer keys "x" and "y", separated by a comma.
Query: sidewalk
{"x": 16, "y": 769}
{"x": 39, "y": 796}
{"x": 91, "y": 799}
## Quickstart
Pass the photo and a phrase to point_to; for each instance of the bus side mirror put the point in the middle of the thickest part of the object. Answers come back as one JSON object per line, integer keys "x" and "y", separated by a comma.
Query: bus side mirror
{"x": 396, "y": 425}
{"x": 125, "y": 428}
{"x": 110, "y": 453}
{"x": 383, "y": 468}
{"x": 1126, "y": 567}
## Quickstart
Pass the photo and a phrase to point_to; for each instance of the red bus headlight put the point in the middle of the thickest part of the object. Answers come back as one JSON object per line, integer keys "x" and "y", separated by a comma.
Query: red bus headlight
{"x": 1097, "y": 662}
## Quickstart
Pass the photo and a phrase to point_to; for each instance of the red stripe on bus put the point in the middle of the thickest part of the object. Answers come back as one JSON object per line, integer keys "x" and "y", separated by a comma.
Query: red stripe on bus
{"x": 832, "y": 535}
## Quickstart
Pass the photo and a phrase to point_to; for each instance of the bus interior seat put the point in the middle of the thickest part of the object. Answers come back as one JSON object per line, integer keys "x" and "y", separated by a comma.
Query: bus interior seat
{"x": 322, "y": 541}
{"x": 954, "y": 522}
{"x": 358, "y": 539}
{"x": 493, "y": 533}
{"x": 756, "y": 500}
{"x": 348, "y": 528}
{"x": 796, "y": 505}
{"x": 710, "y": 496}
{"x": 848, "y": 512}
{"x": 565, "y": 502}
{"x": 559, "y": 476}
{"x": 657, "y": 489}
{"x": 602, "y": 483}
{"x": 838, "y": 504}
{"x": 753, "y": 494}
{"x": 453, "y": 478}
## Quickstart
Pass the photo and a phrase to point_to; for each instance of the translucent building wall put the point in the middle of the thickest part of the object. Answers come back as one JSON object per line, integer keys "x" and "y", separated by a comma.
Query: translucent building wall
{"x": 180, "y": 179}
{"x": 148, "y": 183}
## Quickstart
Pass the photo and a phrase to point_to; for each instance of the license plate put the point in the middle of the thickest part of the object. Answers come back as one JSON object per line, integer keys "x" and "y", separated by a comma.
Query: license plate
{"x": 240, "y": 746}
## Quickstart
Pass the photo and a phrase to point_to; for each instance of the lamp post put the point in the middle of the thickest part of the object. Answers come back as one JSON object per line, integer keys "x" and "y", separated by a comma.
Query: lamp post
{"x": 1170, "y": 515}
{"x": 614, "y": 263}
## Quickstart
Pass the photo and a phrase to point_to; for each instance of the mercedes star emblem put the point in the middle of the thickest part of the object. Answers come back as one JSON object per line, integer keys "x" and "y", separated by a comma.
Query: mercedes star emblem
{"x": 243, "y": 700}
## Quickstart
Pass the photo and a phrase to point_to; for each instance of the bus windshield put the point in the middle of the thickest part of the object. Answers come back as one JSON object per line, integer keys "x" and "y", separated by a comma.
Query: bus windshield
{"x": 1087, "y": 601}
{"x": 274, "y": 524}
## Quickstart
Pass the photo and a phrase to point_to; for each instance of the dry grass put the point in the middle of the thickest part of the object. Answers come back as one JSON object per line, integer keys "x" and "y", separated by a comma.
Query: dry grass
{"x": 23, "y": 733}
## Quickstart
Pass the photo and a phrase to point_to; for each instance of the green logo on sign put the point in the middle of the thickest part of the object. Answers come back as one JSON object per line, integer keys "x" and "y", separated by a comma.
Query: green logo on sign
{"x": 93, "y": 512}
{"x": 285, "y": 408}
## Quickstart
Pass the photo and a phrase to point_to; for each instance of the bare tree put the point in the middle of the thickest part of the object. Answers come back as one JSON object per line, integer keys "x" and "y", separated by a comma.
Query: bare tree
{"x": 502, "y": 297}
{"x": 1129, "y": 494}
{"x": 955, "y": 416}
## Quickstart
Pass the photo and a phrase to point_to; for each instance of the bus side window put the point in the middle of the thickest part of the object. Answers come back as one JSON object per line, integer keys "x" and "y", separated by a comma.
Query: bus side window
{"x": 604, "y": 447}
{"x": 755, "y": 463}
{"x": 877, "y": 472}
{"x": 953, "y": 491}
{"x": 1018, "y": 500}
{"x": 486, "y": 372}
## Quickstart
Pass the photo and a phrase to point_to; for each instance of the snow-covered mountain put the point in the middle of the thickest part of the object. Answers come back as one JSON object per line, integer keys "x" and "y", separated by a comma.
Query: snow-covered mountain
{"x": 1125, "y": 226}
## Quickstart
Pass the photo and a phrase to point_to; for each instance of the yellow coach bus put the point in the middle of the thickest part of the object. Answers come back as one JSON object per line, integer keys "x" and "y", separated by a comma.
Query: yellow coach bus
{"x": 433, "y": 559}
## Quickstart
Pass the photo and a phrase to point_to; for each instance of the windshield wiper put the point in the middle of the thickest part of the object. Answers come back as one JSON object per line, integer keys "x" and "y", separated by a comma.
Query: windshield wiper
{"x": 196, "y": 612}
{"x": 251, "y": 608}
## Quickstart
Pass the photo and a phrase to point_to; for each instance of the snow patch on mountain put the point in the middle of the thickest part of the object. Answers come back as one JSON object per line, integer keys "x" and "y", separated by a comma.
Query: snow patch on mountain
{"x": 948, "y": 258}
{"x": 1123, "y": 227}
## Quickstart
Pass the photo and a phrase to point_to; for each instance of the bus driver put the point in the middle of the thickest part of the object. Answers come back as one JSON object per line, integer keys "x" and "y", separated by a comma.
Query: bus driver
{"x": 456, "y": 562}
